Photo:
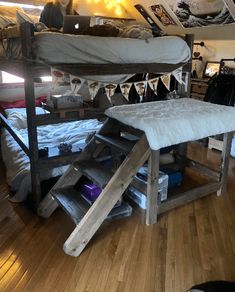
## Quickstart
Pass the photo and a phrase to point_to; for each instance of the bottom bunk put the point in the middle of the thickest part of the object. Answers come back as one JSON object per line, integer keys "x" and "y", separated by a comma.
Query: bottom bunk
{"x": 50, "y": 136}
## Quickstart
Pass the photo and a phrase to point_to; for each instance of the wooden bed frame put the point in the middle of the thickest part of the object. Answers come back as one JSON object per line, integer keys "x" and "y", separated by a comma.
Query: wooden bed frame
{"x": 85, "y": 163}
{"x": 29, "y": 69}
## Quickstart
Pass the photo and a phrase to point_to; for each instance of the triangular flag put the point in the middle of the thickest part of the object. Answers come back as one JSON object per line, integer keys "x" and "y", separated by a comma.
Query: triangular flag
{"x": 110, "y": 89}
{"x": 93, "y": 87}
{"x": 178, "y": 75}
{"x": 140, "y": 87}
{"x": 58, "y": 78}
{"x": 125, "y": 89}
{"x": 153, "y": 83}
{"x": 166, "y": 79}
{"x": 76, "y": 83}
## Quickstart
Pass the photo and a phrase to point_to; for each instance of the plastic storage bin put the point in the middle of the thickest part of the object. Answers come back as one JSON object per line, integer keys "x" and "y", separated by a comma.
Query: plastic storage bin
{"x": 139, "y": 198}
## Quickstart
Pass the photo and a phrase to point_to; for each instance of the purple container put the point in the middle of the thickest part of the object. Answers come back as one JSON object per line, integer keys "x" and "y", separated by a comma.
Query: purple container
{"x": 91, "y": 191}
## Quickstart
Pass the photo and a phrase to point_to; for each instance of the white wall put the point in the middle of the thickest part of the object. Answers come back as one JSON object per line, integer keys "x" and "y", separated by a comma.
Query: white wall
{"x": 214, "y": 50}
{"x": 9, "y": 92}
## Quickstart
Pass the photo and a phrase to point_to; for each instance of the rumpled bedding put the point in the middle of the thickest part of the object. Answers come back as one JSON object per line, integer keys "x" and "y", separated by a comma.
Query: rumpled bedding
{"x": 17, "y": 162}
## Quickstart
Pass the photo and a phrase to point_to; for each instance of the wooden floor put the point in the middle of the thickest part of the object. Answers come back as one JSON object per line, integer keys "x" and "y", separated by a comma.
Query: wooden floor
{"x": 189, "y": 245}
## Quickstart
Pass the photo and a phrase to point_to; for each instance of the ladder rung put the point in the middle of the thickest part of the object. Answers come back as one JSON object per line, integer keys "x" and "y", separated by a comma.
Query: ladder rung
{"x": 76, "y": 206}
{"x": 94, "y": 171}
{"x": 119, "y": 143}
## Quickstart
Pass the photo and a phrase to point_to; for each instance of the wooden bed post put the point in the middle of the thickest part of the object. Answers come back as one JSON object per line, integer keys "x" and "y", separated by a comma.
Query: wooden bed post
{"x": 30, "y": 109}
{"x": 152, "y": 187}
{"x": 225, "y": 162}
{"x": 184, "y": 89}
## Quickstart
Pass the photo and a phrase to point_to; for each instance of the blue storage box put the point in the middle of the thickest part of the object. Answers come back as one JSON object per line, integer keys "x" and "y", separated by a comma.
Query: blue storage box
{"x": 174, "y": 177}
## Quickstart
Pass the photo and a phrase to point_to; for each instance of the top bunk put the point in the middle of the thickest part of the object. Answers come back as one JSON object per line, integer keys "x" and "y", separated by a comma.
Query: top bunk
{"x": 90, "y": 55}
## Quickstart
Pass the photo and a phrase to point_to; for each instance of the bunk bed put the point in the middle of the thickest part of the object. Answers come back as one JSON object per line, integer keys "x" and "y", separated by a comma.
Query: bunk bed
{"x": 33, "y": 62}
{"x": 121, "y": 121}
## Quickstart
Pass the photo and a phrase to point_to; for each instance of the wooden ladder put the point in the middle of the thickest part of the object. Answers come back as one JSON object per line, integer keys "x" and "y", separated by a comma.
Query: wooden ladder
{"x": 129, "y": 155}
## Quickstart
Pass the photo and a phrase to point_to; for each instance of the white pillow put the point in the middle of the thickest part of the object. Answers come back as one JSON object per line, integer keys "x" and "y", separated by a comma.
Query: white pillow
{"x": 18, "y": 117}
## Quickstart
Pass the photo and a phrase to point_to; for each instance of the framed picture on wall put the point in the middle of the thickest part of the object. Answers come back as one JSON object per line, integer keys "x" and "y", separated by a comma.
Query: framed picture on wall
{"x": 211, "y": 69}
{"x": 162, "y": 15}
{"x": 201, "y": 13}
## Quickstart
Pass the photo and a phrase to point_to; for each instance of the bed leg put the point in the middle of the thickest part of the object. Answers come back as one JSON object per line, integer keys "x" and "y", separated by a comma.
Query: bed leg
{"x": 152, "y": 188}
{"x": 225, "y": 162}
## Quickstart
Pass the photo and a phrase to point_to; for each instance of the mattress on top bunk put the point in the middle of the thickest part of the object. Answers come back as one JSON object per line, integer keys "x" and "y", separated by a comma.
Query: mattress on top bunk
{"x": 52, "y": 47}
{"x": 103, "y": 50}
{"x": 109, "y": 50}
{"x": 17, "y": 162}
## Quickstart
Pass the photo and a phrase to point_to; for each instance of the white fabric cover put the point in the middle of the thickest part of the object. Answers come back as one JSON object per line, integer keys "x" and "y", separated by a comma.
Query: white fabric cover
{"x": 17, "y": 162}
{"x": 56, "y": 48}
{"x": 176, "y": 121}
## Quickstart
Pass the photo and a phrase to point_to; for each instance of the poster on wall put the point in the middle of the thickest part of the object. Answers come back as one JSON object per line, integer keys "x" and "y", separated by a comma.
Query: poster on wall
{"x": 200, "y": 13}
{"x": 162, "y": 15}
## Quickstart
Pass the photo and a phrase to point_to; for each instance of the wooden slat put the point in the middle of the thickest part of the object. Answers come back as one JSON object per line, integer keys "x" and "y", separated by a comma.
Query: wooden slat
{"x": 31, "y": 112}
{"x": 121, "y": 144}
{"x": 54, "y": 118}
{"x": 107, "y": 69}
{"x": 203, "y": 169}
{"x": 189, "y": 196}
{"x": 76, "y": 207}
{"x": 94, "y": 171}
{"x": 152, "y": 187}
{"x": 13, "y": 134}
{"x": 225, "y": 161}
{"x": 48, "y": 205}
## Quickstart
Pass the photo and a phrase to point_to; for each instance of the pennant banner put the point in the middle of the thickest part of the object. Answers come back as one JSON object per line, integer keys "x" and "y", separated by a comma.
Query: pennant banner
{"x": 125, "y": 89}
{"x": 178, "y": 74}
{"x": 110, "y": 89}
{"x": 93, "y": 87}
{"x": 140, "y": 87}
{"x": 76, "y": 83}
{"x": 153, "y": 83}
{"x": 166, "y": 79}
{"x": 59, "y": 78}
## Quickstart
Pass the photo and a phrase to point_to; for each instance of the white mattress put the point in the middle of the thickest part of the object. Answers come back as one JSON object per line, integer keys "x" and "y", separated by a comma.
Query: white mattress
{"x": 176, "y": 121}
{"x": 51, "y": 47}
{"x": 17, "y": 162}
{"x": 66, "y": 48}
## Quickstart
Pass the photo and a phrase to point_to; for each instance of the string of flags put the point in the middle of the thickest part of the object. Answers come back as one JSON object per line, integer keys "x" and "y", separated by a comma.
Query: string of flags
{"x": 60, "y": 78}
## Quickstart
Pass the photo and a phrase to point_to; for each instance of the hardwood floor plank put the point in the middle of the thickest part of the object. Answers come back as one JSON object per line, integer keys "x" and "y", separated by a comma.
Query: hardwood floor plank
{"x": 189, "y": 245}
